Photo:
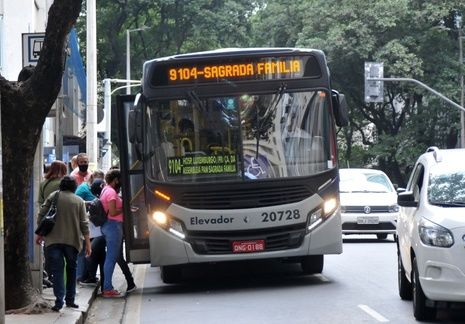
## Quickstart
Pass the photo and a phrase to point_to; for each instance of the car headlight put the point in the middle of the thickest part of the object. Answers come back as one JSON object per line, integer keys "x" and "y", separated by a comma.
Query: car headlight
{"x": 393, "y": 208}
{"x": 435, "y": 235}
{"x": 169, "y": 224}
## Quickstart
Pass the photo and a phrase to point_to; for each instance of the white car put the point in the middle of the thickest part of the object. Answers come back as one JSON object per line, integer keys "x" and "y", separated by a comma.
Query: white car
{"x": 431, "y": 233}
{"x": 368, "y": 202}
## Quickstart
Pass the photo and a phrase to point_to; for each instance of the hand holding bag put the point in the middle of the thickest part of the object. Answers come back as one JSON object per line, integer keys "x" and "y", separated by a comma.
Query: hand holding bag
{"x": 48, "y": 220}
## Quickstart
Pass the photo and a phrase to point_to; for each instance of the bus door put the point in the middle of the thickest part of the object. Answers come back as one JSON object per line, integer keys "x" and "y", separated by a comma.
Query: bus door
{"x": 135, "y": 214}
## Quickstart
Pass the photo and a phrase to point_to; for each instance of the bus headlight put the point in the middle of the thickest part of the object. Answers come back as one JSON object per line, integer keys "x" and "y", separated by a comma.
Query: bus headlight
{"x": 314, "y": 219}
{"x": 169, "y": 224}
{"x": 160, "y": 218}
{"x": 329, "y": 206}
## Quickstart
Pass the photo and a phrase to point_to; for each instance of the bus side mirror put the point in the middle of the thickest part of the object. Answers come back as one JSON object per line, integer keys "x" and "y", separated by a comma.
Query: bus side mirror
{"x": 135, "y": 127}
{"x": 341, "y": 111}
{"x": 135, "y": 122}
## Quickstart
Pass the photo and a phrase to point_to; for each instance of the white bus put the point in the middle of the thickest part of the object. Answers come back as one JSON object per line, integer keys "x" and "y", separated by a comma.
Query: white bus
{"x": 231, "y": 155}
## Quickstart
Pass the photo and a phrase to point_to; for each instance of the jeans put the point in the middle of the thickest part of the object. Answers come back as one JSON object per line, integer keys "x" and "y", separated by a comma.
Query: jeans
{"x": 56, "y": 254}
{"x": 97, "y": 258}
{"x": 113, "y": 233}
{"x": 81, "y": 270}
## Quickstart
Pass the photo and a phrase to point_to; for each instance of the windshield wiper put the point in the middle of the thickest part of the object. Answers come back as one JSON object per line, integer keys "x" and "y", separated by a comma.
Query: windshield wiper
{"x": 448, "y": 203}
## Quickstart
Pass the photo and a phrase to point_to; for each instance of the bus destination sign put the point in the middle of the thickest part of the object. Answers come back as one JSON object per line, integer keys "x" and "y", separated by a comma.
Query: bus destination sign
{"x": 203, "y": 164}
{"x": 236, "y": 69}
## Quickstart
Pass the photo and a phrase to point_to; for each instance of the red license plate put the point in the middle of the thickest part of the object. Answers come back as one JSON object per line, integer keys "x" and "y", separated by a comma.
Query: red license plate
{"x": 248, "y": 246}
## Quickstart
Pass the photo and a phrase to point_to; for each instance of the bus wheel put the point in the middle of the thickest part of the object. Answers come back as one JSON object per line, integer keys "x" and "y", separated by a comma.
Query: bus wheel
{"x": 312, "y": 264}
{"x": 171, "y": 274}
{"x": 381, "y": 236}
{"x": 420, "y": 310}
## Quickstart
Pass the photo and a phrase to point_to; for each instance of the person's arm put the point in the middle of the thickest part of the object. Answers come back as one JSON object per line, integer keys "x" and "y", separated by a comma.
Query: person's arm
{"x": 42, "y": 211}
{"x": 112, "y": 209}
{"x": 88, "y": 245}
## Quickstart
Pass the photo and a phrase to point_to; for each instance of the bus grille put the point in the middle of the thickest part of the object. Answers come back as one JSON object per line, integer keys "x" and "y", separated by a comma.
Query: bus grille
{"x": 221, "y": 242}
{"x": 244, "y": 197}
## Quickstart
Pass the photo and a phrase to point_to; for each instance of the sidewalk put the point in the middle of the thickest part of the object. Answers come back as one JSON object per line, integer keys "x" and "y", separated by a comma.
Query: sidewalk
{"x": 84, "y": 298}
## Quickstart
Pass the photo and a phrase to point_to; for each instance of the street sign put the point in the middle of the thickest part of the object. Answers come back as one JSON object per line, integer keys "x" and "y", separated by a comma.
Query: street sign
{"x": 374, "y": 90}
{"x": 32, "y": 45}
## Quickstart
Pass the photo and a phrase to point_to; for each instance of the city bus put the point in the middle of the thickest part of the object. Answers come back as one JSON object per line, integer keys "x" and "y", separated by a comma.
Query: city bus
{"x": 231, "y": 155}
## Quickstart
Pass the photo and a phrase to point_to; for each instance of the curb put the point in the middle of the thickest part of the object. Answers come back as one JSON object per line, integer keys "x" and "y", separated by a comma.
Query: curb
{"x": 84, "y": 298}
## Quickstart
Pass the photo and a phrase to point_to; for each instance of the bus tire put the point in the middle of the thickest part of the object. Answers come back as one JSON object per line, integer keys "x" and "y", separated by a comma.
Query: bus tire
{"x": 381, "y": 236}
{"x": 171, "y": 274}
{"x": 312, "y": 264}
{"x": 420, "y": 310}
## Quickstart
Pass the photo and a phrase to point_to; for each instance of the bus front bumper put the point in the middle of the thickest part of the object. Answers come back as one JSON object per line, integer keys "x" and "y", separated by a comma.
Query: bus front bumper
{"x": 167, "y": 249}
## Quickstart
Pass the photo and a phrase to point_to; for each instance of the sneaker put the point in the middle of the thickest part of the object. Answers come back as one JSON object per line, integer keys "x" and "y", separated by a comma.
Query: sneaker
{"x": 111, "y": 294}
{"x": 47, "y": 283}
{"x": 131, "y": 288}
{"x": 72, "y": 305}
{"x": 90, "y": 282}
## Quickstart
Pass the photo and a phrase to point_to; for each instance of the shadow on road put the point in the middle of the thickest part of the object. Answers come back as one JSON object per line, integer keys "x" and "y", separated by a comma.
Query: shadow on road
{"x": 365, "y": 239}
{"x": 256, "y": 274}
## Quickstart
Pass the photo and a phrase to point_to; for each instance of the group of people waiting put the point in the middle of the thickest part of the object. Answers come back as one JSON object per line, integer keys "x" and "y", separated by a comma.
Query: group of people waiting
{"x": 75, "y": 245}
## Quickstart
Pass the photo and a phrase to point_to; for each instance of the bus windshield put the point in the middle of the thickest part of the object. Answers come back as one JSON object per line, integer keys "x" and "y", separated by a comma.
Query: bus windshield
{"x": 242, "y": 137}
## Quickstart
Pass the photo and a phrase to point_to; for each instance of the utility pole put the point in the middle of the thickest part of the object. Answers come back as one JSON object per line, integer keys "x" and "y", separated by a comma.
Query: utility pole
{"x": 106, "y": 160}
{"x": 91, "y": 115}
{"x": 2, "y": 254}
{"x": 128, "y": 56}
{"x": 458, "y": 25}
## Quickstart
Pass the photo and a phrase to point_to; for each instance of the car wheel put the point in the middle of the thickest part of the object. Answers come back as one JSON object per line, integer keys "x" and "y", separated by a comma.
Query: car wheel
{"x": 405, "y": 287}
{"x": 312, "y": 264}
{"x": 420, "y": 310}
{"x": 381, "y": 236}
{"x": 171, "y": 274}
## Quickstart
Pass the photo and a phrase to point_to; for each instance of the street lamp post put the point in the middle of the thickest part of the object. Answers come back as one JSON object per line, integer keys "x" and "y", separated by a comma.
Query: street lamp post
{"x": 128, "y": 56}
{"x": 458, "y": 26}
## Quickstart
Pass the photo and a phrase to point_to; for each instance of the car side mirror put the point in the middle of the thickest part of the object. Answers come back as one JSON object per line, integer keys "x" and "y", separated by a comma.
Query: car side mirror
{"x": 406, "y": 199}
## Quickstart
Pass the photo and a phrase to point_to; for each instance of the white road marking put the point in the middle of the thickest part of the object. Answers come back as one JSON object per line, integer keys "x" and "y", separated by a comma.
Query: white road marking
{"x": 134, "y": 300}
{"x": 373, "y": 313}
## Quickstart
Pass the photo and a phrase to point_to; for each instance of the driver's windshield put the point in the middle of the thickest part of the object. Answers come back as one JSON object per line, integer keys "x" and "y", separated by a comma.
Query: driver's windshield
{"x": 446, "y": 185}
{"x": 247, "y": 136}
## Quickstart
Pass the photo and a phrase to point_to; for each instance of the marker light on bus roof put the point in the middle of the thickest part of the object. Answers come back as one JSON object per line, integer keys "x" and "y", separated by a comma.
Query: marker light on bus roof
{"x": 160, "y": 218}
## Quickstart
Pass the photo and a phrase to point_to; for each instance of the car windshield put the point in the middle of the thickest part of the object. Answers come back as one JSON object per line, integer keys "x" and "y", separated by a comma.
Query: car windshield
{"x": 364, "y": 182}
{"x": 243, "y": 137}
{"x": 446, "y": 185}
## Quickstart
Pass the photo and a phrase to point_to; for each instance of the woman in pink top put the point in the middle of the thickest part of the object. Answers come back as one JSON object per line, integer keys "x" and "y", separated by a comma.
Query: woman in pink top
{"x": 112, "y": 229}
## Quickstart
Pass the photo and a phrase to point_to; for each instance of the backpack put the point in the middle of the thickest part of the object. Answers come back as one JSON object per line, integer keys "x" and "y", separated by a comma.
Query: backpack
{"x": 97, "y": 214}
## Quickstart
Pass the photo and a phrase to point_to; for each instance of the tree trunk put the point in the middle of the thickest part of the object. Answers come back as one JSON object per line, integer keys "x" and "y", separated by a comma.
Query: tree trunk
{"x": 25, "y": 106}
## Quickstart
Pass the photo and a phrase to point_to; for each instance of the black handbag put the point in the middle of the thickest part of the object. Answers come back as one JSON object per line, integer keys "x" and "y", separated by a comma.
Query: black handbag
{"x": 48, "y": 221}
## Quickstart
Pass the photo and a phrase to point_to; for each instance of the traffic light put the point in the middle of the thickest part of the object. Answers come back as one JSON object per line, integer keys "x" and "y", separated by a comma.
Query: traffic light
{"x": 374, "y": 90}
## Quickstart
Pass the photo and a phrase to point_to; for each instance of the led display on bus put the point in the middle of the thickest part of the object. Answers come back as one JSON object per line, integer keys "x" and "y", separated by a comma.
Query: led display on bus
{"x": 237, "y": 69}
